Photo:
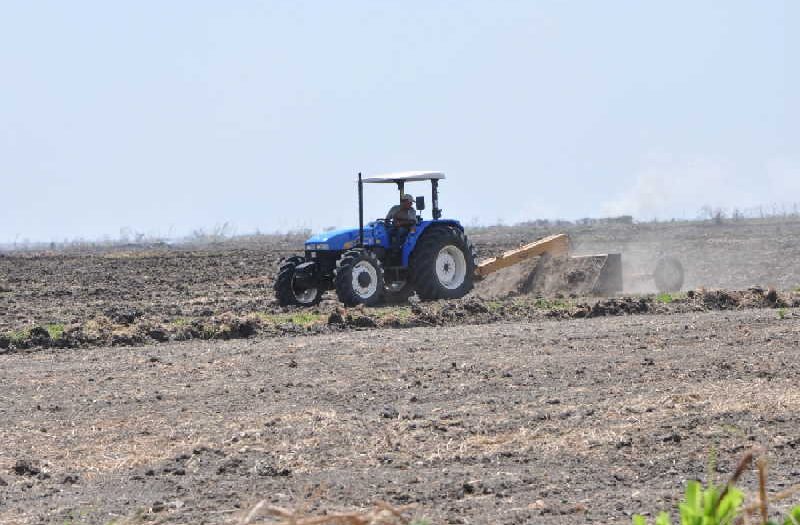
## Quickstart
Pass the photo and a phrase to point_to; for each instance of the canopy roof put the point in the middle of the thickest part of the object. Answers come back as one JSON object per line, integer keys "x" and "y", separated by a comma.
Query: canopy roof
{"x": 405, "y": 176}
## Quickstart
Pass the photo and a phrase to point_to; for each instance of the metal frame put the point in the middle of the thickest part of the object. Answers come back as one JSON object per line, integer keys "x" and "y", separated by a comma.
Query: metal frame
{"x": 435, "y": 210}
{"x": 360, "y": 211}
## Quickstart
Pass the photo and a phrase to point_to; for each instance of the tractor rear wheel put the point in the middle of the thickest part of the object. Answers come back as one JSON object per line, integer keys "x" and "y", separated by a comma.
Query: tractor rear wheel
{"x": 290, "y": 293}
{"x": 443, "y": 264}
{"x": 359, "y": 278}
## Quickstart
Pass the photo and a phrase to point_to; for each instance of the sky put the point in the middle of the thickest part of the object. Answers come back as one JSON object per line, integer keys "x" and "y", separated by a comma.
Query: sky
{"x": 168, "y": 117}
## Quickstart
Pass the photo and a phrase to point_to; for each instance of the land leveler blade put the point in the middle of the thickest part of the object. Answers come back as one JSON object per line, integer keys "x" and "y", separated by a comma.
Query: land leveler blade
{"x": 607, "y": 278}
{"x": 554, "y": 245}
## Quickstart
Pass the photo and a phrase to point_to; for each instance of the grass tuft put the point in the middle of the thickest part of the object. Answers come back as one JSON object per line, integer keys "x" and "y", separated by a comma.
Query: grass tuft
{"x": 303, "y": 319}
{"x": 494, "y": 306}
{"x": 665, "y": 298}
{"x": 392, "y": 313}
{"x": 543, "y": 303}
{"x": 19, "y": 336}
{"x": 56, "y": 331}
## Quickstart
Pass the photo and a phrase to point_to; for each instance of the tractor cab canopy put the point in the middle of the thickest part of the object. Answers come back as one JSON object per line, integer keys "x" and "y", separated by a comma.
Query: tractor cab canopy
{"x": 400, "y": 178}
{"x": 405, "y": 176}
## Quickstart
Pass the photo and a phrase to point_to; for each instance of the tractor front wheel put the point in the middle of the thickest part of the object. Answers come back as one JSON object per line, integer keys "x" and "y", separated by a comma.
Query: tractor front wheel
{"x": 359, "y": 278}
{"x": 443, "y": 264}
{"x": 288, "y": 292}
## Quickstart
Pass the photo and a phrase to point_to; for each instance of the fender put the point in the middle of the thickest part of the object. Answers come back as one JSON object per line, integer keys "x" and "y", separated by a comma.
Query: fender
{"x": 307, "y": 274}
{"x": 411, "y": 240}
{"x": 380, "y": 235}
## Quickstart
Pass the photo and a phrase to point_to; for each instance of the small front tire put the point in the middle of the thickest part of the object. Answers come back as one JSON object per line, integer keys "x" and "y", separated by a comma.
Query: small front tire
{"x": 359, "y": 278}
{"x": 287, "y": 292}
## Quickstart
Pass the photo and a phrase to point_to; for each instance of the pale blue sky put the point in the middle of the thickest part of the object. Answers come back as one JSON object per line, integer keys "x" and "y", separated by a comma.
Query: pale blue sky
{"x": 163, "y": 117}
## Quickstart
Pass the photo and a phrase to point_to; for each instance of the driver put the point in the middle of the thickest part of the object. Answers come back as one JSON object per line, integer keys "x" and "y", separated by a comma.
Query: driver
{"x": 403, "y": 215}
{"x": 403, "y": 219}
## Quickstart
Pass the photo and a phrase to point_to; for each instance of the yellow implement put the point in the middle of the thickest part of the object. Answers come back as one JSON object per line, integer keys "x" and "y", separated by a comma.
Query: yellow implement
{"x": 601, "y": 274}
{"x": 554, "y": 245}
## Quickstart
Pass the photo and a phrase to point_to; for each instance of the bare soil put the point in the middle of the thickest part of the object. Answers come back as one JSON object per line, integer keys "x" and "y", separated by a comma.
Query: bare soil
{"x": 121, "y": 397}
{"x": 547, "y": 422}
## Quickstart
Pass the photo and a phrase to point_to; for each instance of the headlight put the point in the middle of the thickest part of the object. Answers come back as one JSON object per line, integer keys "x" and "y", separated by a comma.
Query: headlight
{"x": 321, "y": 246}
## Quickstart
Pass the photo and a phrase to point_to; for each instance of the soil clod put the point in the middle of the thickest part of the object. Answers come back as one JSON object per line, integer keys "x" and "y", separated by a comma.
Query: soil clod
{"x": 26, "y": 467}
{"x": 390, "y": 412}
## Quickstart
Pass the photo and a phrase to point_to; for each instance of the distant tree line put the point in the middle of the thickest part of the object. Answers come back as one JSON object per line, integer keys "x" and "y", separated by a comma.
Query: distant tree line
{"x": 226, "y": 231}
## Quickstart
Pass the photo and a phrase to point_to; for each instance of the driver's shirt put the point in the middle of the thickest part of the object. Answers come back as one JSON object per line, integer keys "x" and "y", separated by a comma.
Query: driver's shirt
{"x": 399, "y": 213}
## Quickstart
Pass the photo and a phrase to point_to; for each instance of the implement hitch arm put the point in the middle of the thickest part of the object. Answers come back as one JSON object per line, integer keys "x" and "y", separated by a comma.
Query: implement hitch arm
{"x": 555, "y": 245}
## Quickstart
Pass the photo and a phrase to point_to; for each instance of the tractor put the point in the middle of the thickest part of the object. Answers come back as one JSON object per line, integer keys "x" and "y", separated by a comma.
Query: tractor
{"x": 372, "y": 264}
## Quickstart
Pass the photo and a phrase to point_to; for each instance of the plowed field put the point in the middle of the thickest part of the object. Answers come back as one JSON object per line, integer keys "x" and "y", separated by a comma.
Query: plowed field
{"x": 503, "y": 410}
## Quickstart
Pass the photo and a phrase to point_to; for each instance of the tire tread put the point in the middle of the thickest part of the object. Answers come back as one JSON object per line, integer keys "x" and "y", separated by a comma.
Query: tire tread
{"x": 343, "y": 278}
{"x": 423, "y": 263}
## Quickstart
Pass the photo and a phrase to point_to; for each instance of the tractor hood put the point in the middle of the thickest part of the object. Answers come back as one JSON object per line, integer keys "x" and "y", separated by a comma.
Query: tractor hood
{"x": 335, "y": 239}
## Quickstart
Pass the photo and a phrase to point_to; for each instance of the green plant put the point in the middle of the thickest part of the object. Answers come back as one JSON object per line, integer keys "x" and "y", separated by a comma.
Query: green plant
{"x": 781, "y": 313}
{"x": 794, "y": 517}
{"x": 399, "y": 314}
{"x": 208, "y": 331}
{"x": 665, "y": 298}
{"x": 701, "y": 506}
{"x": 550, "y": 304}
{"x": 18, "y": 336}
{"x": 297, "y": 318}
{"x": 306, "y": 318}
{"x": 723, "y": 505}
{"x": 494, "y": 306}
{"x": 55, "y": 330}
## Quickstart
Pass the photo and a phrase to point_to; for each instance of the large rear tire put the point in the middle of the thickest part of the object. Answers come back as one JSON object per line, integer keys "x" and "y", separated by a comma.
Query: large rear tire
{"x": 443, "y": 264}
{"x": 359, "y": 278}
{"x": 668, "y": 275}
{"x": 287, "y": 292}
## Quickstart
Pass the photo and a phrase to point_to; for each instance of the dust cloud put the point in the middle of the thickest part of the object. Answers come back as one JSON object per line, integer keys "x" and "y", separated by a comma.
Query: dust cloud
{"x": 729, "y": 254}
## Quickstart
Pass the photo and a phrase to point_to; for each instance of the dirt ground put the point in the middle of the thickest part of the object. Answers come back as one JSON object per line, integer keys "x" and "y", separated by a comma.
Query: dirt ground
{"x": 139, "y": 295}
{"x": 163, "y": 384}
{"x": 547, "y": 422}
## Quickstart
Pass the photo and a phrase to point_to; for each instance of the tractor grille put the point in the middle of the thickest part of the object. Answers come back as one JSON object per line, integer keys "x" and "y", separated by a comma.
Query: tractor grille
{"x": 326, "y": 260}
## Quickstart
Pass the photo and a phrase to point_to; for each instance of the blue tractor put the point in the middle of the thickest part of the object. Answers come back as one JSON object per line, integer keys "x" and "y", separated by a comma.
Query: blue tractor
{"x": 373, "y": 264}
